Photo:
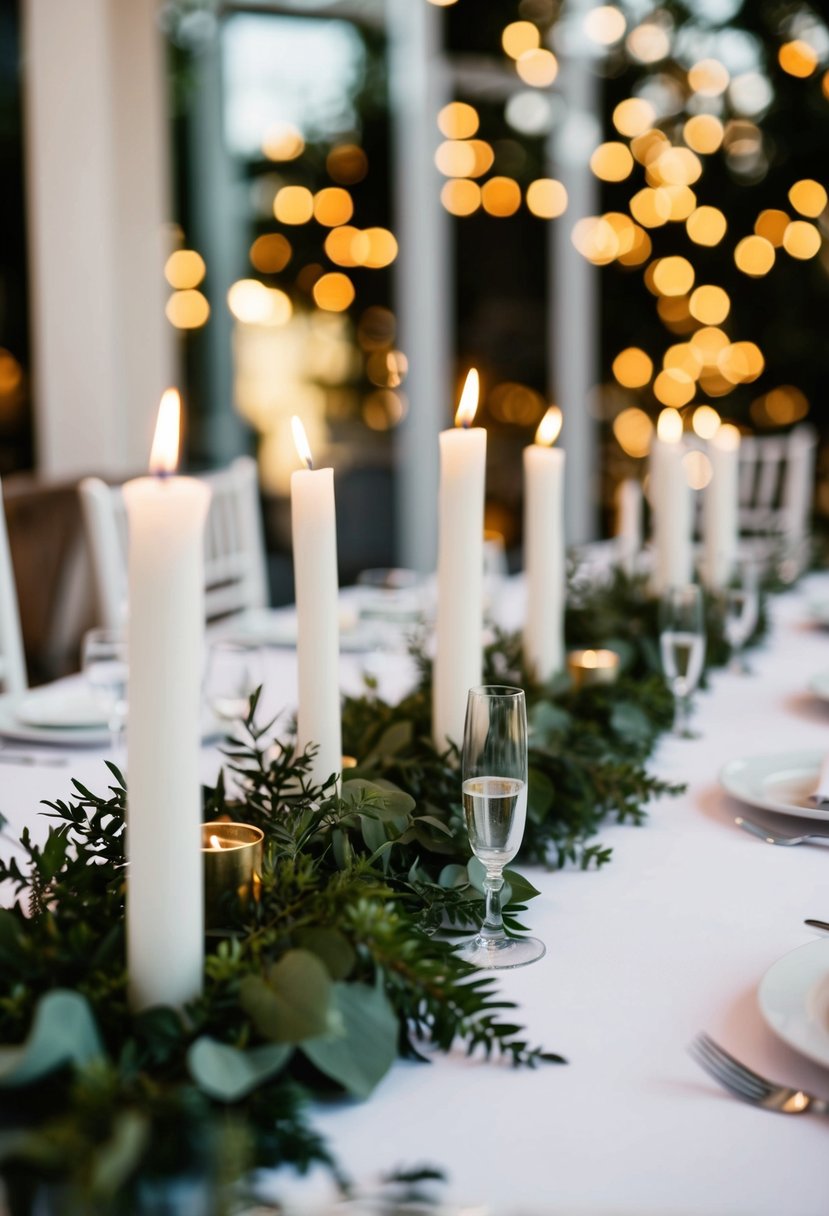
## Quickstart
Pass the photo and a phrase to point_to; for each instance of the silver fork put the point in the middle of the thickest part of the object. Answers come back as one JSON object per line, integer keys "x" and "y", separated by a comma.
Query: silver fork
{"x": 776, "y": 836}
{"x": 750, "y": 1086}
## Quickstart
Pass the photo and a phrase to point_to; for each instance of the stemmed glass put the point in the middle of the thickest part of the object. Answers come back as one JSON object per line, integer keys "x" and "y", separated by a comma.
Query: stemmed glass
{"x": 682, "y": 643}
{"x": 230, "y": 679}
{"x": 741, "y": 608}
{"x": 104, "y": 664}
{"x": 495, "y": 804}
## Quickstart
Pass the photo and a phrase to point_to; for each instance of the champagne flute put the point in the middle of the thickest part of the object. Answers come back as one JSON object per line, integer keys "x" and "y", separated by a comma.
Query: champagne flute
{"x": 495, "y": 804}
{"x": 682, "y": 643}
{"x": 741, "y": 608}
{"x": 104, "y": 664}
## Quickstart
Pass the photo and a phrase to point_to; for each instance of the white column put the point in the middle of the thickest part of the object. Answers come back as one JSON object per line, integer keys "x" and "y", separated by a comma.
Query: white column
{"x": 424, "y": 277}
{"x": 574, "y": 317}
{"x": 97, "y": 178}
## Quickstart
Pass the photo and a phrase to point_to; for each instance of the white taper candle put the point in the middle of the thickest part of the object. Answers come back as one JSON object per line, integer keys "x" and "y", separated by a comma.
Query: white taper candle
{"x": 544, "y": 558}
{"x": 720, "y": 506}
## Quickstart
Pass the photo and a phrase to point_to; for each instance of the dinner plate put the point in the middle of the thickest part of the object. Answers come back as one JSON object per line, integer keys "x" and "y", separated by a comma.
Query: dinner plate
{"x": 819, "y": 685}
{"x": 266, "y": 627}
{"x": 72, "y": 706}
{"x": 794, "y": 999}
{"x": 779, "y": 782}
{"x": 11, "y": 727}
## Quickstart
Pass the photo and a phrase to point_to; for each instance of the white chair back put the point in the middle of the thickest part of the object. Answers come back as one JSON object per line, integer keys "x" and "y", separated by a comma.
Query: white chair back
{"x": 12, "y": 658}
{"x": 234, "y": 559}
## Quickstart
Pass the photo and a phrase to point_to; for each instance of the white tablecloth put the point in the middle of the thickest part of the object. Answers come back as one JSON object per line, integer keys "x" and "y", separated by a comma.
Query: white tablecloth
{"x": 669, "y": 939}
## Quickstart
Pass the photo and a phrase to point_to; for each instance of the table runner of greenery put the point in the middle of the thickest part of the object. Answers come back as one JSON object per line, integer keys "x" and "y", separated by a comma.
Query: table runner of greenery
{"x": 336, "y": 970}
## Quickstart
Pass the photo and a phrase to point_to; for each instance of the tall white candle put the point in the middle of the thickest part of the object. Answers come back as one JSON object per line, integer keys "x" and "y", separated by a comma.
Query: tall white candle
{"x": 460, "y": 568}
{"x": 165, "y": 913}
{"x": 628, "y": 522}
{"x": 314, "y": 530}
{"x": 544, "y": 560}
{"x": 720, "y": 506}
{"x": 671, "y": 505}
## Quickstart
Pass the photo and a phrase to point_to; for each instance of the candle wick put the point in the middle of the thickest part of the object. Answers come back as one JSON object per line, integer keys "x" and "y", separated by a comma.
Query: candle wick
{"x": 309, "y": 460}
{"x": 466, "y": 424}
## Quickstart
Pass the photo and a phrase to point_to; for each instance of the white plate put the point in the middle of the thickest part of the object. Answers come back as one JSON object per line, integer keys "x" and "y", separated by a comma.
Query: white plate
{"x": 794, "y": 999}
{"x": 11, "y": 727}
{"x": 819, "y": 685}
{"x": 269, "y": 627}
{"x": 780, "y": 782}
{"x": 73, "y": 706}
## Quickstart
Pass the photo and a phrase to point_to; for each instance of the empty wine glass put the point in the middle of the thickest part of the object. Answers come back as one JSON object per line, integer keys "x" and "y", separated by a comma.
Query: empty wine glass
{"x": 104, "y": 664}
{"x": 495, "y": 804}
{"x": 741, "y": 608}
{"x": 231, "y": 677}
{"x": 682, "y": 643}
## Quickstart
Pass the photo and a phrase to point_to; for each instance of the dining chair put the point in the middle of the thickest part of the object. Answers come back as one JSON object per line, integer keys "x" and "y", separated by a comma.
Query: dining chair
{"x": 13, "y": 677}
{"x": 234, "y": 566}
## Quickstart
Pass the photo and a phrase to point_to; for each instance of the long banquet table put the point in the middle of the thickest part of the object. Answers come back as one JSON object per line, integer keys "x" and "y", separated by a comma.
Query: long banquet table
{"x": 671, "y": 938}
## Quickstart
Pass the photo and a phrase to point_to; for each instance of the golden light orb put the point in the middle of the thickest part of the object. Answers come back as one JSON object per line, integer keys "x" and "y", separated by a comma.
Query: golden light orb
{"x": 706, "y": 226}
{"x": 705, "y": 421}
{"x": 293, "y": 205}
{"x": 648, "y": 145}
{"x": 808, "y": 197}
{"x": 546, "y": 198}
{"x": 184, "y": 268}
{"x": 674, "y": 167}
{"x": 741, "y": 362}
{"x": 333, "y": 206}
{"x": 346, "y": 246}
{"x": 640, "y": 249}
{"x": 633, "y": 430}
{"x": 537, "y": 68}
{"x": 270, "y": 253}
{"x": 252, "y": 303}
{"x": 633, "y": 368}
{"x": 651, "y": 208}
{"x": 709, "y": 304}
{"x": 187, "y": 309}
{"x": 709, "y": 78}
{"x": 708, "y": 343}
{"x": 455, "y": 158}
{"x": 283, "y": 141}
{"x": 673, "y": 276}
{"x": 772, "y": 225}
{"x": 612, "y": 162}
{"x": 682, "y": 357}
{"x": 333, "y": 292}
{"x": 460, "y": 196}
{"x": 703, "y": 133}
{"x": 798, "y": 58}
{"x": 754, "y": 255}
{"x": 501, "y": 196}
{"x": 669, "y": 425}
{"x": 346, "y": 164}
{"x": 382, "y": 248}
{"x": 595, "y": 239}
{"x": 605, "y": 24}
{"x": 674, "y": 387}
{"x": 519, "y": 37}
{"x": 801, "y": 240}
{"x": 683, "y": 202}
{"x": 457, "y": 120}
{"x": 484, "y": 157}
{"x": 633, "y": 116}
{"x": 648, "y": 42}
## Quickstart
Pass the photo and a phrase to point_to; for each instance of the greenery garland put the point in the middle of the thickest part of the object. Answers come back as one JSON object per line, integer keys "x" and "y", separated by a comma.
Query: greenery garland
{"x": 319, "y": 985}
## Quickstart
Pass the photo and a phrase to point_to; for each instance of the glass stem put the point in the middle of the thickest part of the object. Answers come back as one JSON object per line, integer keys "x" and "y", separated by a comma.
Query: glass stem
{"x": 493, "y": 927}
{"x": 681, "y": 717}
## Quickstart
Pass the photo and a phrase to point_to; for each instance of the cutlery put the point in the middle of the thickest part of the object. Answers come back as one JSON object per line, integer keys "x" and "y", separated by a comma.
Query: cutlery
{"x": 818, "y": 924}
{"x": 31, "y": 758}
{"x": 777, "y": 836}
{"x": 750, "y": 1086}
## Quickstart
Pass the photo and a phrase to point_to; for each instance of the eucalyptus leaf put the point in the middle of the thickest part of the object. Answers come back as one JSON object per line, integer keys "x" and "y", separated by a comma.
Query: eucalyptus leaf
{"x": 228, "y": 1074}
{"x": 330, "y": 945}
{"x": 63, "y": 1032}
{"x": 631, "y": 724}
{"x": 366, "y": 1047}
{"x": 453, "y": 876}
{"x": 292, "y": 1001}
{"x": 120, "y": 1153}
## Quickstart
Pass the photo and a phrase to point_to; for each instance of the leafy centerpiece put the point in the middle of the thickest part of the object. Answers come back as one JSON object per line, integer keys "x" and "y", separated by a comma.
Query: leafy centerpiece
{"x": 333, "y": 972}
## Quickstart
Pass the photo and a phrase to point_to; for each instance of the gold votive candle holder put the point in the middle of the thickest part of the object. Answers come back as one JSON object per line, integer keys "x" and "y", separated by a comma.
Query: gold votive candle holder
{"x": 589, "y": 667}
{"x": 232, "y": 855}
{"x": 349, "y": 762}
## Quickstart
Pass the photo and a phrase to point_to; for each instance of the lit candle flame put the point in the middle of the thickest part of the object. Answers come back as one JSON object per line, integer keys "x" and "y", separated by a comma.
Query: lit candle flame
{"x": 728, "y": 436}
{"x": 590, "y": 658}
{"x": 549, "y": 428}
{"x": 214, "y": 842}
{"x": 669, "y": 426}
{"x": 469, "y": 399}
{"x": 301, "y": 440}
{"x": 164, "y": 454}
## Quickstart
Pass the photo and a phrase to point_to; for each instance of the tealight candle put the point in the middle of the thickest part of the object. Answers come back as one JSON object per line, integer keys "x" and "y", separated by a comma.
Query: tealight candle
{"x": 232, "y": 855}
{"x": 588, "y": 667}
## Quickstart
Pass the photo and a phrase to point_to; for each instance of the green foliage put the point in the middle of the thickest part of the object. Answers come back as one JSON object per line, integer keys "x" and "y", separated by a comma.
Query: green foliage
{"x": 335, "y": 969}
